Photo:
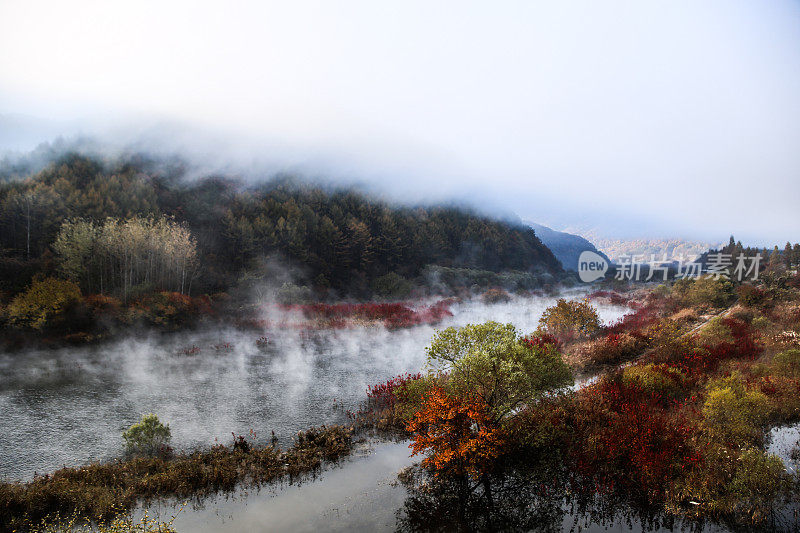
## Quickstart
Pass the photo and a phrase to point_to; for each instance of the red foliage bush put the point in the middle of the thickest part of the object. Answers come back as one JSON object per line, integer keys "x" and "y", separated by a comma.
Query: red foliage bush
{"x": 636, "y": 322}
{"x": 170, "y": 308}
{"x": 386, "y": 406}
{"x": 695, "y": 360}
{"x": 103, "y": 306}
{"x": 393, "y": 315}
{"x": 625, "y": 438}
{"x": 386, "y": 394}
{"x": 190, "y": 350}
{"x": 614, "y": 348}
{"x": 541, "y": 340}
{"x": 744, "y": 345}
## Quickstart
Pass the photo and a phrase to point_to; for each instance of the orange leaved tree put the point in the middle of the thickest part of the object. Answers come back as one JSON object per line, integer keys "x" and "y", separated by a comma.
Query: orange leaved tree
{"x": 481, "y": 377}
{"x": 459, "y": 435}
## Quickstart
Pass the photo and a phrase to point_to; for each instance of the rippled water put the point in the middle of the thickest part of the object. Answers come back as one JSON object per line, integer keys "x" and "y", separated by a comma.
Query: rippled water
{"x": 69, "y": 407}
{"x": 359, "y": 494}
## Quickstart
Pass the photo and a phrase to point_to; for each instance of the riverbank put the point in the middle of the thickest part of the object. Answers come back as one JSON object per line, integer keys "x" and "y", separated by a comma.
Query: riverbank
{"x": 102, "y": 491}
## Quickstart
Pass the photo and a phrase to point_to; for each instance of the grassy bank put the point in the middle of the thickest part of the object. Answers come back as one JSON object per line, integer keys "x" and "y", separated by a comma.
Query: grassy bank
{"x": 102, "y": 491}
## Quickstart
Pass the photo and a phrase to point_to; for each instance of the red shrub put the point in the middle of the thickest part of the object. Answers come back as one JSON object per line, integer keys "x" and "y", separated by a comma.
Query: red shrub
{"x": 540, "y": 340}
{"x": 385, "y": 394}
{"x": 694, "y": 360}
{"x": 624, "y": 437}
{"x": 635, "y": 323}
{"x": 744, "y": 345}
{"x": 170, "y": 308}
{"x": 104, "y": 306}
{"x": 614, "y": 348}
{"x": 393, "y": 315}
{"x": 262, "y": 342}
{"x": 190, "y": 350}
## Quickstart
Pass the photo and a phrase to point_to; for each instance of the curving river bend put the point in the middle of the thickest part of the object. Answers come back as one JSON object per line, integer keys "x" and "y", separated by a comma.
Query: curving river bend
{"x": 69, "y": 407}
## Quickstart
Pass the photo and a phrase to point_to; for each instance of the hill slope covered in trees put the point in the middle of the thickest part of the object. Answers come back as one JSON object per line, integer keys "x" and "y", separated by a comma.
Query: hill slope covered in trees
{"x": 114, "y": 227}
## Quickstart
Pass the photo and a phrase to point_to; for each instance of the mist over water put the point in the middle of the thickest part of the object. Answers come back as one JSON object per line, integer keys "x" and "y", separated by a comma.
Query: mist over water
{"x": 70, "y": 406}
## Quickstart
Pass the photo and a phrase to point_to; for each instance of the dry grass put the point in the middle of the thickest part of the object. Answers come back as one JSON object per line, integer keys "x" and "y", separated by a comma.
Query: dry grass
{"x": 106, "y": 490}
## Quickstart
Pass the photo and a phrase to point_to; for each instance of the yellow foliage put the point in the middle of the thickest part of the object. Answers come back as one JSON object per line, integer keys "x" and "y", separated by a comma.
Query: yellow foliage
{"x": 570, "y": 319}
{"x": 44, "y": 302}
{"x": 733, "y": 413}
{"x": 657, "y": 379}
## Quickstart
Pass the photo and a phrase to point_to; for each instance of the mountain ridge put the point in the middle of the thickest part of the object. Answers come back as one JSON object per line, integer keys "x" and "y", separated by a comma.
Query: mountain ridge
{"x": 567, "y": 247}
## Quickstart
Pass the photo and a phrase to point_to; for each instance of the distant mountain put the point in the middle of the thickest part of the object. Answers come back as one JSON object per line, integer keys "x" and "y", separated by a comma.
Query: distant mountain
{"x": 565, "y": 246}
{"x": 674, "y": 249}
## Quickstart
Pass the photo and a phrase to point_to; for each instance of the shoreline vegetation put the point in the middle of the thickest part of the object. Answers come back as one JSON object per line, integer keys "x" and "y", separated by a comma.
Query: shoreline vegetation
{"x": 688, "y": 386}
{"x": 179, "y": 313}
{"x": 92, "y": 247}
{"x": 103, "y": 492}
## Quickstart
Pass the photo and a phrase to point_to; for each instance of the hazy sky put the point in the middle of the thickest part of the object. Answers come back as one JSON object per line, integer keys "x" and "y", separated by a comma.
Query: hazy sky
{"x": 640, "y": 118}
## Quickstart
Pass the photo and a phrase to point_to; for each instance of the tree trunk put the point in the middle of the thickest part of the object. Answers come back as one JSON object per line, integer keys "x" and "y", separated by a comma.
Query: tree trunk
{"x": 28, "y": 240}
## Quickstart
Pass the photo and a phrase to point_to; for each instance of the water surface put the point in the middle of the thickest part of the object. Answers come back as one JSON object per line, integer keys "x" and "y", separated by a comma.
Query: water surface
{"x": 70, "y": 406}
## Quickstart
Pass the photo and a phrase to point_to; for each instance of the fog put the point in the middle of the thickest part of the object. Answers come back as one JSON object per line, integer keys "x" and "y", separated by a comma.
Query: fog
{"x": 70, "y": 406}
{"x": 636, "y": 118}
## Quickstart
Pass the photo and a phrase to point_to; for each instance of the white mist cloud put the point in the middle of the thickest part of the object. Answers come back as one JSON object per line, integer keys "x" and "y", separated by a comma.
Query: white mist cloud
{"x": 69, "y": 406}
{"x": 683, "y": 113}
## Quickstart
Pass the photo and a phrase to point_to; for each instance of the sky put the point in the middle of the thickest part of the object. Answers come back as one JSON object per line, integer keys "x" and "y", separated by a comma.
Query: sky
{"x": 636, "y": 119}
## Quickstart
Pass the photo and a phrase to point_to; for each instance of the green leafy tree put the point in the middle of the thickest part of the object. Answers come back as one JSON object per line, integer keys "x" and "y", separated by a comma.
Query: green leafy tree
{"x": 705, "y": 291}
{"x": 392, "y": 285}
{"x": 490, "y": 361}
{"x": 147, "y": 437}
{"x": 570, "y": 319}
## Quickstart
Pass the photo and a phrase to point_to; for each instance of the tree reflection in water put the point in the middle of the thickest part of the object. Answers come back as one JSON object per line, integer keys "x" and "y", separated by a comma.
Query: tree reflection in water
{"x": 545, "y": 499}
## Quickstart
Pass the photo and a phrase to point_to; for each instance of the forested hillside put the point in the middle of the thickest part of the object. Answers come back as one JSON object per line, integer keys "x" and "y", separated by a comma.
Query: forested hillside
{"x": 133, "y": 226}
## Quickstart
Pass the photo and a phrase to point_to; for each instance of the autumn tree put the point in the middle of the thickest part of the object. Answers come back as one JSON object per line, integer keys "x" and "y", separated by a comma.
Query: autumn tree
{"x": 459, "y": 434}
{"x": 122, "y": 255}
{"x": 490, "y": 362}
{"x": 480, "y": 376}
{"x": 43, "y": 304}
{"x": 570, "y": 319}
